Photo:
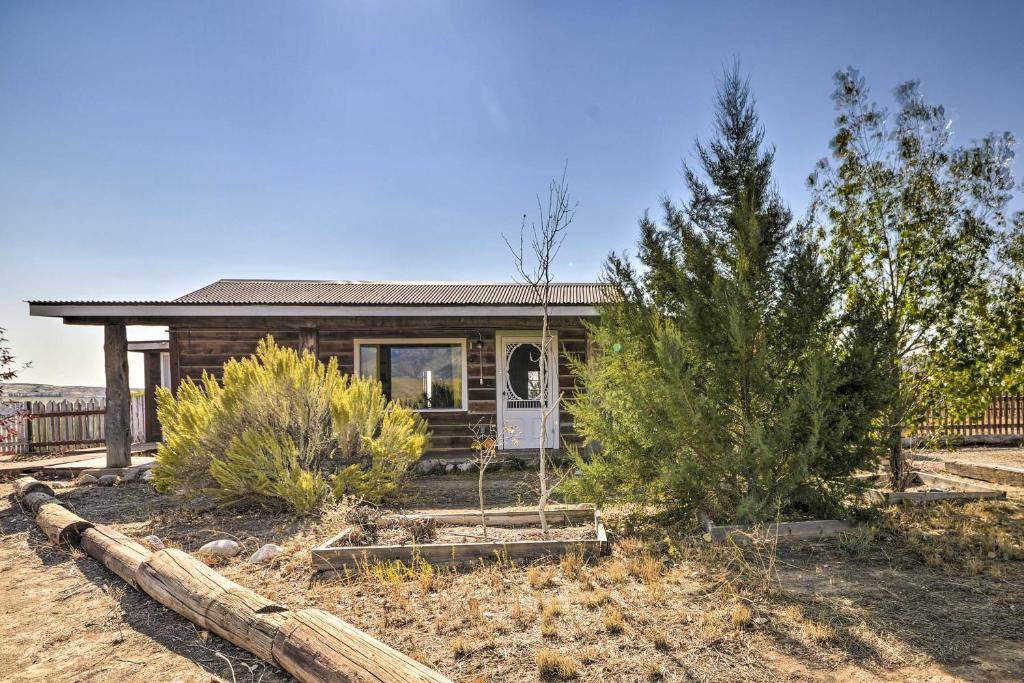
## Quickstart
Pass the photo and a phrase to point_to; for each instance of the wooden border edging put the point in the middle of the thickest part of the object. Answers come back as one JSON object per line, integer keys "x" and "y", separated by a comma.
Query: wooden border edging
{"x": 310, "y": 644}
{"x": 970, "y": 492}
{"x": 327, "y": 557}
{"x": 997, "y": 474}
{"x": 810, "y": 530}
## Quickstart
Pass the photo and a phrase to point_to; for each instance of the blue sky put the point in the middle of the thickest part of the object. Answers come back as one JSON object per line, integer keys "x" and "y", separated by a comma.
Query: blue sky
{"x": 148, "y": 148}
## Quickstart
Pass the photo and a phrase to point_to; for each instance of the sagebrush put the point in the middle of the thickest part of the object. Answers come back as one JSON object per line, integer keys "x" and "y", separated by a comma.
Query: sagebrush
{"x": 280, "y": 428}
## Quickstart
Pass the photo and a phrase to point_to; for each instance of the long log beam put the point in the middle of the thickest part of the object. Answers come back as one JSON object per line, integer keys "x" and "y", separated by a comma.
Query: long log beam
{"x": 311, "y": 644}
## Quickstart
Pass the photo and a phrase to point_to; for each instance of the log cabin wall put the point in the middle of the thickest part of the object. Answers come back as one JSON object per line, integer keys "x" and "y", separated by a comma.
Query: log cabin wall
{"x": 207, "y": 343}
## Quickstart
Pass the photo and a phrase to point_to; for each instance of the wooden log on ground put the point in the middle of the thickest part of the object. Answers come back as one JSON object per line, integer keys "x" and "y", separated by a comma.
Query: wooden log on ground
{"x": 35, "y": 500}
{"x": 311, "y": 645}
{"x": 317, "y": 647}
{"x": 186, "y": 585}
{"x": 63, "y": 527}
{"x": 27, "y": 485}
{"x": 998, "y": 474}
{"x": 117, "y": 552}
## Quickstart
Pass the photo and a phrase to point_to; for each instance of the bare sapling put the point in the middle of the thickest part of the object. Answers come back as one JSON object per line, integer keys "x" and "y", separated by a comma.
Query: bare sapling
{"x": 533, "y": 263}
{"x": 485, "y": 451}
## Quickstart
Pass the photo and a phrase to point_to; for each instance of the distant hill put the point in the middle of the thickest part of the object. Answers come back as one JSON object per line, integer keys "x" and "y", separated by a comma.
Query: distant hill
{"x": 18, "y": 391}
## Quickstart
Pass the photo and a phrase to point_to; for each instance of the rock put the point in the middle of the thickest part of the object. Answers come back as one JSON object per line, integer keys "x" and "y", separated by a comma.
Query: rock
{"x": 267, "y": 552}
{"x": 450, "y": 467}
{"x": 426, "y": 466}
{"x": 464, "y": 466}
{"x": 132, "y": 474}
{"x": 153, "y": 542}
{"x": 86, "y": 479}
{"x": 222, "y": 548}
{"x": 108, "y": 480}
{"x": 147, "y": 475}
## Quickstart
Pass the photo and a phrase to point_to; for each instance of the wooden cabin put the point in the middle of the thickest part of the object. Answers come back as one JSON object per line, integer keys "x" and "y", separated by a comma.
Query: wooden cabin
{"x": 456, "y": 352}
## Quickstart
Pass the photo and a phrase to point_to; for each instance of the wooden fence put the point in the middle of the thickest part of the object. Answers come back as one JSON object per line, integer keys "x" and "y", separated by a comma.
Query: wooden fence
{"x": 53, "y": 426}
{"x": 1005, "y": 415}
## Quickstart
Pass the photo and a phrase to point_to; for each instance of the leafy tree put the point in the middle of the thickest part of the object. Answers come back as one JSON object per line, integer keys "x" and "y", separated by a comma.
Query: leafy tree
{"x": 720, "y": 381}
{"x": 913, "y": 226}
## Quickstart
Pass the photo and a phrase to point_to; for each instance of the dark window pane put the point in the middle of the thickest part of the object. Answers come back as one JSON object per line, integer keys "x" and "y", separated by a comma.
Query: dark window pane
{"x": 421, "y": 376}
{"x": 524, "y": 372}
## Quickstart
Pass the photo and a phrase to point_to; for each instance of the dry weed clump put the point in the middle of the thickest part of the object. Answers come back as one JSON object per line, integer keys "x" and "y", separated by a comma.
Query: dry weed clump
{"x": 612, "y": 572}
{"x": 573, "y": 565}
{"x": 612, "y": 620}
{"x": 646, "y": 569}
{"x": 821, "y": 634}
{"x": 460, "y": 647}
{"x": 740, "y": 616}
{"x": 553, "y": 665}
{"x": 550, "y": 610}
{"x": 540, "y": 577}
{"x": 521, "y": 617}
{"x": 595, "y": 598}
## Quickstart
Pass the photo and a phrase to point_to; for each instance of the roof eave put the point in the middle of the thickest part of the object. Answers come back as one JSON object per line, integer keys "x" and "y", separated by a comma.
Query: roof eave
{"x": 163, "y": 311}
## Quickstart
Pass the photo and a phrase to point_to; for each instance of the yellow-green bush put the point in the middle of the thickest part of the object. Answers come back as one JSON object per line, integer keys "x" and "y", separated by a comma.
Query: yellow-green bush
{"x": 285, "y": 428}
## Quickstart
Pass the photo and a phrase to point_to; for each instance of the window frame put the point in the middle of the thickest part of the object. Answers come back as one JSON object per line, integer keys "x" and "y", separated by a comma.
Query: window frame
{"x": 420, "y": 341}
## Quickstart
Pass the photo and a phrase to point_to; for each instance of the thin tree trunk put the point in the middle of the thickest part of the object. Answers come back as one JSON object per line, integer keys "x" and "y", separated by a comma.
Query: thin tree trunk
{"x": 544, "y": 414}
{"x": 480, "y": 488}
{"x": 898, "y": 465}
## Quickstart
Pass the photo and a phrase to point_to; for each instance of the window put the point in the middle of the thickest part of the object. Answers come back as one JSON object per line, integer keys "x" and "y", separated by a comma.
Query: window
{"x": 421, "y": 374}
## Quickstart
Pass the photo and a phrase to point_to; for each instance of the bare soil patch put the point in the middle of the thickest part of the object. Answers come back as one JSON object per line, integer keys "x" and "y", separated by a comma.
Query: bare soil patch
{"x": 926, "y": 593}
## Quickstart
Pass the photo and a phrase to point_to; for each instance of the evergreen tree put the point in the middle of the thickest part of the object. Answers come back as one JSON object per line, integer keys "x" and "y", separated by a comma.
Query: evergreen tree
{"x": 720, "y": 381}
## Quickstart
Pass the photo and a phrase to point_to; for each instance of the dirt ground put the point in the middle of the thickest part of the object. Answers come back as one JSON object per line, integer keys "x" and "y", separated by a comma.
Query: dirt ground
{"x": 933, "y": 593}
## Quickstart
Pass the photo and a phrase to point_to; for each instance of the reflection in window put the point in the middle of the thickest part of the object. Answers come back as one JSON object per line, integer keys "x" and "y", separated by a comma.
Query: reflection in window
{"x": 420, "y": 376}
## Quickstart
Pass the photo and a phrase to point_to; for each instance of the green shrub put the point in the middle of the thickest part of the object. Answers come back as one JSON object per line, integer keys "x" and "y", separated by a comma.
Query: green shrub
{"x": 286, "y": 429}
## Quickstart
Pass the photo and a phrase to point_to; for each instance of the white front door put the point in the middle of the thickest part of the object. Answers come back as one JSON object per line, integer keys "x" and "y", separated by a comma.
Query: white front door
{"x": 519, "y": 391}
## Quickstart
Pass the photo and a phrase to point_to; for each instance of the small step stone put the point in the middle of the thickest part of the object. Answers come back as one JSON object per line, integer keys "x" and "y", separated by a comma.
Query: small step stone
{"x": 267, "y": 552}
{"x": 222, "y": 548}
{"x": 153, "y": 542}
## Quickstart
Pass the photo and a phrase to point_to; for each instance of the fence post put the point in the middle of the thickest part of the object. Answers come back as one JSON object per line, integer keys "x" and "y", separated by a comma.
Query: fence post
{"x": 27, "y": 421}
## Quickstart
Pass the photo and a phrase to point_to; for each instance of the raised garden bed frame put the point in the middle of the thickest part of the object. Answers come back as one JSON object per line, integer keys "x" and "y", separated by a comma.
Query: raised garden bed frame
{"x": 970, "y": 491}
{"x": 328, "y": 557}
{"x": 793, "y": 531}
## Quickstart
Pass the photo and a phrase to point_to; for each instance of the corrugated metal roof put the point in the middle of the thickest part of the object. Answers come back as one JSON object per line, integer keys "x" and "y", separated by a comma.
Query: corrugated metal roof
{"x": 375, "y": 293}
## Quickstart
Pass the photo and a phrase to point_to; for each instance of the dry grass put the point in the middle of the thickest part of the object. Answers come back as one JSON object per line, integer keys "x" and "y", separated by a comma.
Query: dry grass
{"x": 553, "y": 665}
{"x": 663, "y": 606}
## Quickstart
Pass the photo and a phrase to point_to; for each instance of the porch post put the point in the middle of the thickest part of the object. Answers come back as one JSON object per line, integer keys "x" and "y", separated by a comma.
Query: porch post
{"x": 118, "y": 418}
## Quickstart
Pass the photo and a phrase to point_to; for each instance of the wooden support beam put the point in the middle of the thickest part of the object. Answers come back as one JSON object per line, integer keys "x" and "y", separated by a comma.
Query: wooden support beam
{"x": 117, "y": 427}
